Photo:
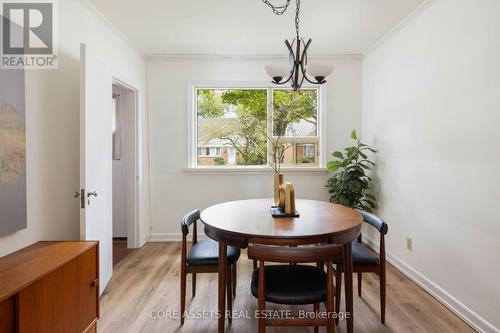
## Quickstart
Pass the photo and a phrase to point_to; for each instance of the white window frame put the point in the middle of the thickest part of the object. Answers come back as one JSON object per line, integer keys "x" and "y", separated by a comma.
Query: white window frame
{"x": 210, "y": 151}
{"x": 193, "y": 87}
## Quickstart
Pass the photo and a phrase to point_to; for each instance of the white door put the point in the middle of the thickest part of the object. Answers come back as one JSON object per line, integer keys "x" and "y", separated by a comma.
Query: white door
{"x": 232, "y": 156}
{"x": 96, "y": 218}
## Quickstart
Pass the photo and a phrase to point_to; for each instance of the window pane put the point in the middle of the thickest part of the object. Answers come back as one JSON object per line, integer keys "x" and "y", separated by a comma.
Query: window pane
{"x": 305, "y": 154}
{"x": 233, "y": 123}
{"x": 295, "y": 113}
{"x": 299, "y": 154}
{"x": 286, "y": 151}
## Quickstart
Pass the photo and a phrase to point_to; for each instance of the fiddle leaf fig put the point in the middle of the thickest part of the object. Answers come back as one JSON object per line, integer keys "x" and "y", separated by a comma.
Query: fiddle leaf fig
{"x": 338, "y": 154}
{"x": 333, "y": 166}
{"x": 350, "y": 184}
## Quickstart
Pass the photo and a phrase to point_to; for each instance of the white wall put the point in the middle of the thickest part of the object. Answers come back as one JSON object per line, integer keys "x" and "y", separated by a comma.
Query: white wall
{"x": 52, "y": 110}
{"x": 174, "y": 191}
{"x": 431, "y": 106}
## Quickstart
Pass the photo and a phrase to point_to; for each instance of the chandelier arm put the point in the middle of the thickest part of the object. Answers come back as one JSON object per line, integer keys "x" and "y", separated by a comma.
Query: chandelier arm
{"x": 312, "y": 82}
{"x": 304, "y": 52}
{"x": 303, "y": 64}
{"x": 304, "y": 74}
{"x": 283, "y": 82}
{"x": 290, "y": 49}
{"x": 290, "y": 76}
{"x": 299, "y": 85}
{"x": 297, "y": 65}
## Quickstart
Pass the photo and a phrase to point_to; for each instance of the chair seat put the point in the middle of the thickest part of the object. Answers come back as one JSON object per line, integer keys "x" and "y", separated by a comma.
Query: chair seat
{"x": 361, "y": 255}
{"x": 292, "y": 284}
{"x": 206, "y": 252}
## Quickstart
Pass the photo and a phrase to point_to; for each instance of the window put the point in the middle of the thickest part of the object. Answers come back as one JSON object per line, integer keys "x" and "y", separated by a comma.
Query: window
{"x": 306, "y": 153}
{"x": 241, "y": 126}
{"x": 209, "y": 151}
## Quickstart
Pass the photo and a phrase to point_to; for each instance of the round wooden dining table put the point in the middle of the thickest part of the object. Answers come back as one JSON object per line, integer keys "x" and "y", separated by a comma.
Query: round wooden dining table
{"x": 239, "y": 223}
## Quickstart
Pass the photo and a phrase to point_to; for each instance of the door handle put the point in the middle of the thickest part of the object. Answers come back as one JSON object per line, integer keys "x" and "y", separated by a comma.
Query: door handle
{"x": 90, "y": 194}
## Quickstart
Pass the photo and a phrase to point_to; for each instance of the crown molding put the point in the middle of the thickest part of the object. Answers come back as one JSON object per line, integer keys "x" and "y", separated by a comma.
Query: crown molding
{"x": 113, "y": 27}
{"x": 241, "y": 56}
{"x": 398, "y": 27}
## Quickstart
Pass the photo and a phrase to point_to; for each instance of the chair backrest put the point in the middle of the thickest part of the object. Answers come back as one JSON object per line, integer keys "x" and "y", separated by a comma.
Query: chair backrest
{"x": 285, "y": 254}
{"x": 375, "y": 221}
{"x": 189, "y": 219}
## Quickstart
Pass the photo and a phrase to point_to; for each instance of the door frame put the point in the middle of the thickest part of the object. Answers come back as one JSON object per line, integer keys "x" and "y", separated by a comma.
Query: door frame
{"x": 132, "y": 175}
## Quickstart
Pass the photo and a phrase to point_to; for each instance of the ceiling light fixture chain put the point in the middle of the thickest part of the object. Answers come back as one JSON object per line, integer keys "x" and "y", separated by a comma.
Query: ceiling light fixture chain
{"x": 278, "y": 10}
{"x": 297, "y": 18}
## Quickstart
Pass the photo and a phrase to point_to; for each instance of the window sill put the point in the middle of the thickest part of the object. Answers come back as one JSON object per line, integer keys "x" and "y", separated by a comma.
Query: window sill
{"x": 254, "y": 170}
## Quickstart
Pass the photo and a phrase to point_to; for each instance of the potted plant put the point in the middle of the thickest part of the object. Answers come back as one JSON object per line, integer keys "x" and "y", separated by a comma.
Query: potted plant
{"x": 350, "y": 185}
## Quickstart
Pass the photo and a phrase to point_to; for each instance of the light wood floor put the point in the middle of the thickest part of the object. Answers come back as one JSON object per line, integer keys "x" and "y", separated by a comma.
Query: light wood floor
{"x": 148, "y": 280}
{"x": 120, "y": 250}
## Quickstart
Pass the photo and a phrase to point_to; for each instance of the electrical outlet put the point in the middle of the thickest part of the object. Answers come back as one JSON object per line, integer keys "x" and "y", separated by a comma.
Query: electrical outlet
{"x": 409, "y": 244}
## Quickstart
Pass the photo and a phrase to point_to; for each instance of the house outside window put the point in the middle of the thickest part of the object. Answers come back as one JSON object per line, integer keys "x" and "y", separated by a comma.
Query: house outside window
{"x": 235, "y": 126}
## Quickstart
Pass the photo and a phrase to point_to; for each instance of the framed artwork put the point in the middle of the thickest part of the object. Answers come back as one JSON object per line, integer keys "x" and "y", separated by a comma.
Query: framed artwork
{"x": 13, "y": 206}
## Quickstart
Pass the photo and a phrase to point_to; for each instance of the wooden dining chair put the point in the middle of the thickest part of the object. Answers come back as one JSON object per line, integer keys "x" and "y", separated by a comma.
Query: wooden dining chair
{"x": 203, "y": 257}
{"x": 366, "y": 261}
{"x": 294, "y": 284}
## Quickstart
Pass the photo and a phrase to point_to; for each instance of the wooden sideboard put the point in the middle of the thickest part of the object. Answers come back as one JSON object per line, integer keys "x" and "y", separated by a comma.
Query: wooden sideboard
{"x": 50, "y": 287}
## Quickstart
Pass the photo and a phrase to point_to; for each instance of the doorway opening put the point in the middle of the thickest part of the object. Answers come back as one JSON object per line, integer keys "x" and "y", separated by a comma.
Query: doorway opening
{"x": 124, "y": 171}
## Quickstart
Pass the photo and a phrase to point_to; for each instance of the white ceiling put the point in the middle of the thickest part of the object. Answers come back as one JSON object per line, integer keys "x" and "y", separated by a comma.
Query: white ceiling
{"x": 249, "y": 27}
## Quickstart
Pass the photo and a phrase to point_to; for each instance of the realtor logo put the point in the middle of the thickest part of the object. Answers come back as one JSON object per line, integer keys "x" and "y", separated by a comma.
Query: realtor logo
{"x": 28, "y": 34}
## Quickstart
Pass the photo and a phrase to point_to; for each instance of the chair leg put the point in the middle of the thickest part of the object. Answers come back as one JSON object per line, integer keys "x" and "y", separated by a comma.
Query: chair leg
{"x": 338, "y": 292}
{"x": 330, "y": 304}
{"x": 262, "y": 298}
{"x": 235, "y": 279}
{"x": 316, "y": 311}
{"x": 382, "y": 295}
{"x": 229, "y": 293}
{"x": 360, "y": 283}
{"x": 193, "y": 284}
{"x": 183, "y": 293}
{"x": 321, "y": 265}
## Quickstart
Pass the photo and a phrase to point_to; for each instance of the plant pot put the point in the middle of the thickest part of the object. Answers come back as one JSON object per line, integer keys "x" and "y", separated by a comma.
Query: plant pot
{"x": 278, "y": 181}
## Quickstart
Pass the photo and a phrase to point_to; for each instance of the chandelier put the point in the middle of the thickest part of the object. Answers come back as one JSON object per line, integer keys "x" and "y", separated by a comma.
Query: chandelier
{"x": 298, "y": 70}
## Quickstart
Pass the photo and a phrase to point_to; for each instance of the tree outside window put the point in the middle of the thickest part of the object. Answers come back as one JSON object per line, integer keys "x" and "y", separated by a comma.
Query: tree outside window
{"x": 247, "y": 130}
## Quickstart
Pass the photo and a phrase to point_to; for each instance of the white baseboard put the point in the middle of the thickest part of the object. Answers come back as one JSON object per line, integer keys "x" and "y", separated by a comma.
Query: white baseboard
{"x": 171, "y": 237}
{"x": 477, "y": 322}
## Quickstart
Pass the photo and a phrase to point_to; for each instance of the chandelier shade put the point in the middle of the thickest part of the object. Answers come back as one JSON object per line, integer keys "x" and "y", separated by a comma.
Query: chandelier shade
{"x": 277, "y": 71}
{"x": 320, "y": 70}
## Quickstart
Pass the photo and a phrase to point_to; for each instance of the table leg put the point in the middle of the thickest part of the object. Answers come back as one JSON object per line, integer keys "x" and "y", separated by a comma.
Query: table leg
{"x": 348, "y": 286}
{"x": 222, "y": 285}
